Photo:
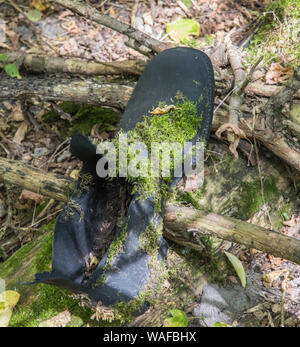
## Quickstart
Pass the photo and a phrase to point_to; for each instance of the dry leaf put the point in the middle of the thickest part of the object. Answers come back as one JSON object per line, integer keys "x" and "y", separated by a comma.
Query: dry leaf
{"x": 193, "y": 182}
{"x": 148, "y": 18}
{"x": 28, "y": 195}
{"x": 272, "y": 276}
{"x": 40, "y": 5}
{"x": 20, "y": 133}
{"x": 237, "y": 131}
{"x": 71, "y": 27}
{"x": 163, "y": 110}
{"x": 111, "y": 11}
{"x": 75, "y": 174}
{"x": 291, "y": 222}
{"x": 103, "y": 313}
{"x": 17, "y": 114}
{"x": 277, "y": 73}
{"x": 14, "y": 38}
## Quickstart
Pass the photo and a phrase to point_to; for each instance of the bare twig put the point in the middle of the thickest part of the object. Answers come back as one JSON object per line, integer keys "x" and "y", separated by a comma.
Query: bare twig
{"x": 89, "y": 91}
{"x": 133, "y": 12}
{"x": 89, "y": 12}
{"x": 184, "y": 8}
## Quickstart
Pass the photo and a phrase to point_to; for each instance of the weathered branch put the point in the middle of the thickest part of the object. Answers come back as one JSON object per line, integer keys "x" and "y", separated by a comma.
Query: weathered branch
{"x": 89, "y": 91}
{"x": 261, "y": 89}
{"x": 55, "y": 64}
{"x": 182, "y": 225}
{"x": 185, "y": 225}
{"x": 52, "y": 185}
{"x": 89, "y": 12}
{"x": 236, "y": 98}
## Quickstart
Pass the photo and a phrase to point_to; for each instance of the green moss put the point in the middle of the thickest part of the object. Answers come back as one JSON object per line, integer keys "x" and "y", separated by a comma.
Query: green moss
{"x": 278, "y": 37}
{"x": 84, "y": 117}
{"x": 148, "y": 240}
{"x": 251, "y": 198}
{"x": 190, "y": 198}
{"x": 43, "y": 259}
{"x": 179, "y": 125}
{"x": 124, "y": 311}
{"x": 49, "y": 302}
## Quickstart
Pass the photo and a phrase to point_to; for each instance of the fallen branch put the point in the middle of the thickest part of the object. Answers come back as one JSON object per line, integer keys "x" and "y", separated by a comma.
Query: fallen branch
{"x": 182, "y": 225}
{"x": 261, "y": 89}
{"x": 90, "y": 13}
{"x": 185, "y": 226}
{"x": 52, "y": 185}
{"x": 89, "y": 91}
{"x": 55, "y": 64}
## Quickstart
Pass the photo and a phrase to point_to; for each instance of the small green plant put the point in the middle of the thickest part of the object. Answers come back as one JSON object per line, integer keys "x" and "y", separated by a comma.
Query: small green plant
{"x": 178, "y": 320}
{"x": 10, "y": 69}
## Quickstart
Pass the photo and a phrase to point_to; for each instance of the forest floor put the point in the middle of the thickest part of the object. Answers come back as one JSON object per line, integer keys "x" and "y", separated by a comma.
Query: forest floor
{"x": 24, "y": 135}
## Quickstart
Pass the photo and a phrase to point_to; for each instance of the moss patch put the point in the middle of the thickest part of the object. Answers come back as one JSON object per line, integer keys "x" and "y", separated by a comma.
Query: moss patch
{"x": 278, "y": 37}
{"x": 251, "y": 197}
{"x": 176, "y": 126}
{"x": 84, "y": 117}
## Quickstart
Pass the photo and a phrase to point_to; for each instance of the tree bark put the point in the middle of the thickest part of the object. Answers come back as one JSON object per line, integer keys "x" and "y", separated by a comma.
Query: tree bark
{"x": 55, "y": 64}
{"x": 89, "y": 91}
{"x": 52, "y": 185}
{"x": 184, "y": 225}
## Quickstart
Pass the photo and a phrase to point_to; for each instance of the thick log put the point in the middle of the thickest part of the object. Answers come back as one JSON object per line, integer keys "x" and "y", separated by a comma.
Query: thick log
{"x": 95, "y": 92}
{"x": 52, "y": 185}
{"x": 89, "y": 91}
{"x": 183, "y": 225}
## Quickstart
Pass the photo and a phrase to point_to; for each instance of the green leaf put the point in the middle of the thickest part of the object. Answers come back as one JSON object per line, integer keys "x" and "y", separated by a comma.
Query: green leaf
{"x": 12, "y": 70}
{"x": 178, "y": 320}
{"x": 3, "y": 57}
{"x": 221, "y": 325}
{"x": 238, "y": 267}
{"x": 182, "y": 29}
{"x": 187, "y": 3}
{"x": 34, "y": 15}
{"x": 286, "y": 216}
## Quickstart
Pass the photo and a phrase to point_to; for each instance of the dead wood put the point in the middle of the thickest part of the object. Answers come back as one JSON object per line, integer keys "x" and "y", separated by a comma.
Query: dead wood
{"x": 55, "y": 64}
{"x": 22, "y": 175}
{"x": 185, "y": 226}
{"x": 89, "y": 91}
